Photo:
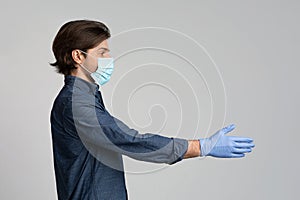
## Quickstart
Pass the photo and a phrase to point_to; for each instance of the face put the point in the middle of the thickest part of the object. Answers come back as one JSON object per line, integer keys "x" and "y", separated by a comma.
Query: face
{"x": 100, "y": 51}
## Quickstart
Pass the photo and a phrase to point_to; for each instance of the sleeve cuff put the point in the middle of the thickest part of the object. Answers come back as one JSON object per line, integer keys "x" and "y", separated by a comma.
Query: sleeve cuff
{"x": 180, "y": 148}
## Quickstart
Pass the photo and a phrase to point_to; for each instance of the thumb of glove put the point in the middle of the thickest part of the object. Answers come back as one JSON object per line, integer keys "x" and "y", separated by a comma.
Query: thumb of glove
{"x": 229, "y": 128}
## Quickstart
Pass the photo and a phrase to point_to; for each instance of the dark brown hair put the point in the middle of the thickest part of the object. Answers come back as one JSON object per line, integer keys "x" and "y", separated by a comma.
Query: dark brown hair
{"x": 79, "y": 34}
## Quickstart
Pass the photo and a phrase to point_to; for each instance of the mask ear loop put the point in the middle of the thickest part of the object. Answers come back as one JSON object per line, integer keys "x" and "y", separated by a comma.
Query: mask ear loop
{"x": 82, "y": 65}
{"x": 85, "y": 69}
{"x": 87, "y": 53}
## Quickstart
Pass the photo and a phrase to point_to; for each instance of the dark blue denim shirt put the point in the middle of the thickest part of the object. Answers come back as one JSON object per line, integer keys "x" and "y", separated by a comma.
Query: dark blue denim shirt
{"x": 88, "y": 144}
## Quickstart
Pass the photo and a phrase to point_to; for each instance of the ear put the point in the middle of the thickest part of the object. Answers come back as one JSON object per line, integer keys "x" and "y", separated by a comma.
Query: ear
{"x": 77, "y": 56}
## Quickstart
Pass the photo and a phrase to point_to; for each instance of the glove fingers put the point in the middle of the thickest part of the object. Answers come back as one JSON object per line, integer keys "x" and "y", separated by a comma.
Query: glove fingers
{"x": 244, "y": 144}
{"x": 237, "y": 155}
{"x": 241, "y": 150}
{"x": 241, "y": 139}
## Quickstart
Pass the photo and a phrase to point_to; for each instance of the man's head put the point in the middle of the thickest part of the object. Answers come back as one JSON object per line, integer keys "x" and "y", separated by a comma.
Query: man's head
{"x": 76, "y": 37}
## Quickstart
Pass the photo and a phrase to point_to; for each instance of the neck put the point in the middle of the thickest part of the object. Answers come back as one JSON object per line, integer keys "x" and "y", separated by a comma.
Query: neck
{"x": 79, "y": 73}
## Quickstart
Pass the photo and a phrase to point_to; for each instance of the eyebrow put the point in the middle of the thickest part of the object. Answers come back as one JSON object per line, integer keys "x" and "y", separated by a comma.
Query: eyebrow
{"x": 106, "y": 49}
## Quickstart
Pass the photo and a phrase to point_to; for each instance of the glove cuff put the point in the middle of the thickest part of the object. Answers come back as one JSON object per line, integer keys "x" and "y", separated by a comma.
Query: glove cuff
{"x": 202, "y": 149}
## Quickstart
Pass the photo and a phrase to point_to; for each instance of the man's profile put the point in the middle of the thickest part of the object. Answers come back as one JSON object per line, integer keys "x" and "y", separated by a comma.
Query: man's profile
{"x": 88, "y": 142}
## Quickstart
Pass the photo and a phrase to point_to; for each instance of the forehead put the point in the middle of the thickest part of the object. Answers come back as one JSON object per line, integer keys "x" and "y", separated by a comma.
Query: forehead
{"x": 103, "y": 44}
{"x": 102, "y": 47}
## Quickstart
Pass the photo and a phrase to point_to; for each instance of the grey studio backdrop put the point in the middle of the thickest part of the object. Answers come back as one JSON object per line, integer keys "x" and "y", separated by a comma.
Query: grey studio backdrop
{"x": 183, "y": 70}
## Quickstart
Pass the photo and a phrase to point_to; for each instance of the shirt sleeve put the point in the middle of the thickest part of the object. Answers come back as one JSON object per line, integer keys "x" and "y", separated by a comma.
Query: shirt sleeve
{"x": 99, "y": 131}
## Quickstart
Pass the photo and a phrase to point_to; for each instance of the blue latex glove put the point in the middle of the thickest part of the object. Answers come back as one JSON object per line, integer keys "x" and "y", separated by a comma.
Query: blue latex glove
{"x": 222, "y": 146}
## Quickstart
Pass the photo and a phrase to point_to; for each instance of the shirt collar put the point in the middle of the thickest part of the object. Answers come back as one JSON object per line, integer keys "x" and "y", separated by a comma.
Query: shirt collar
{"x": 81, "y": 84}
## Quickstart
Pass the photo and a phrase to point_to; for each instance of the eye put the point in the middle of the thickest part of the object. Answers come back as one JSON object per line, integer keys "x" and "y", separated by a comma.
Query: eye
{"x": 102, "y": 53}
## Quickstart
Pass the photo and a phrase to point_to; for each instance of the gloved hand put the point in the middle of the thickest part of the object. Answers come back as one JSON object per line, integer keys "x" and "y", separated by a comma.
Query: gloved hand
{"x": 222, "y": 146}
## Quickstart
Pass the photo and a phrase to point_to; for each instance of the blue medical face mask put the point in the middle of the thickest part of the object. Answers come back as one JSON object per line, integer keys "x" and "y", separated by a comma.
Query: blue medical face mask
{"x": 104, "y": 70}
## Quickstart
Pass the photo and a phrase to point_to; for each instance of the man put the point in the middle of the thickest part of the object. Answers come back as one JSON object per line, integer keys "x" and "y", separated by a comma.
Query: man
{"x": 88, "y": 142}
